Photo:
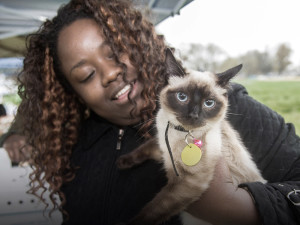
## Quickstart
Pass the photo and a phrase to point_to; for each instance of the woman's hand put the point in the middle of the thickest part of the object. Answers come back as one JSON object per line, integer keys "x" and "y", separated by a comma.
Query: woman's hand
{"x": 224, "y": 203}
{"x": 16, "y": 147}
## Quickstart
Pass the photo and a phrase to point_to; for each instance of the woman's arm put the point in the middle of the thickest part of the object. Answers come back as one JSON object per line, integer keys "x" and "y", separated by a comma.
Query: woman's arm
{"x": 276, "y": 149}
{"x": 223, "y": 203}
{"x": 278, "y": 202}
{"x": 251, "y": 203}
{"x": 14, "y": 143}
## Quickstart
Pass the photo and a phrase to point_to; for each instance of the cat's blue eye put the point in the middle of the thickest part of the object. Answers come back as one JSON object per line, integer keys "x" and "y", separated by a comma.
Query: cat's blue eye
{"x": 181, "y": 96}
{"x": 209, "y": 103}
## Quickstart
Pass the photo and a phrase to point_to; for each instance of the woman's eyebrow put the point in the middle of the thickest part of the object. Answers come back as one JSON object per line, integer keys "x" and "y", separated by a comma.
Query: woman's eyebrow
{"x": 77, "y": 65}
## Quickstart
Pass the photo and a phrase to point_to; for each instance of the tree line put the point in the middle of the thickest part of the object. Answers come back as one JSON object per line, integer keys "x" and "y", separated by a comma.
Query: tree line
{"x": 213, "y": 58}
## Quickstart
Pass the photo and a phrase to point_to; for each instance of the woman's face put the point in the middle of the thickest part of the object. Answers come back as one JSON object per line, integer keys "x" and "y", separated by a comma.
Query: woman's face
{"x": 88, "y": 65}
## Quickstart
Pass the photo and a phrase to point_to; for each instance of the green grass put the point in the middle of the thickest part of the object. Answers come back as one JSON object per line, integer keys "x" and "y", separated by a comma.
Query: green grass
{"x": 12, "y": 99}
{"x": 281, "y": 96}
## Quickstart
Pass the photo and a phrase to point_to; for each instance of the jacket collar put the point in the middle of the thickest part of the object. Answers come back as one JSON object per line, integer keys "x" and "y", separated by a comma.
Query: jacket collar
{"x": 92, "y": 129}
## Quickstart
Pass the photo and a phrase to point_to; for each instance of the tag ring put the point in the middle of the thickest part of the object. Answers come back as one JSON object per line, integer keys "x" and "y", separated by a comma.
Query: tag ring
{"x": 296, "y": 192}
{"x": 186, "y": 137}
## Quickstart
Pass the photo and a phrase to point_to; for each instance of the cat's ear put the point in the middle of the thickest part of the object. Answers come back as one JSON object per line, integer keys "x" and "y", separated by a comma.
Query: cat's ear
{"x": 225, "y": 77}
{"x": 172, "y": 66}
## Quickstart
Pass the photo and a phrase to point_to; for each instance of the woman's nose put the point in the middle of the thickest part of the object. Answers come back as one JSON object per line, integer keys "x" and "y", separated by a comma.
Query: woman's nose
{"x": 109, "y": 74}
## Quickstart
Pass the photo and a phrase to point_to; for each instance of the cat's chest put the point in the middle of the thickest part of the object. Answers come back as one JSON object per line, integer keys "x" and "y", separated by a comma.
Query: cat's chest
{"x": 176, "y": 146}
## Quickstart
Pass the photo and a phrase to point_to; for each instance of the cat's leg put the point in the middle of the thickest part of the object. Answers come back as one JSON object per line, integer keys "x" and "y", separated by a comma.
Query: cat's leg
{"x": 239, "y": 160}
{"x": 148, "y": 150}
{"x": 171, "y": 200}
{"x": 243, "y": 168}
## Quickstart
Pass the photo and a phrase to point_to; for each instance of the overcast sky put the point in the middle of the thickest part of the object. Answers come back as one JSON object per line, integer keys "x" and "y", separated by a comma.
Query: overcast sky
{"x": 237, "y": 25}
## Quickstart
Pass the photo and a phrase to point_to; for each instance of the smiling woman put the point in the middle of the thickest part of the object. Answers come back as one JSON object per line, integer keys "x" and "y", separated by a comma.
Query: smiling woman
{"x": 77, "y": 62}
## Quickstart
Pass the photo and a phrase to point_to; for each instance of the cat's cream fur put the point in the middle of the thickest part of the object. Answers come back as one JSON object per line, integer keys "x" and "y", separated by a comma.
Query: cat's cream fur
{"x": 219, "y": 139}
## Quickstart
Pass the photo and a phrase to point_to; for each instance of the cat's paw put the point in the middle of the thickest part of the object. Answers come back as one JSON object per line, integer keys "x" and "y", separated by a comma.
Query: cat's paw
{"x": 125, "y": 162}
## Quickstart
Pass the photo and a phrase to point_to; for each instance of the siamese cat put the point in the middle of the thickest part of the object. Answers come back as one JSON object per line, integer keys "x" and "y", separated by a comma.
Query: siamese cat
{"x": 192, "y": 135}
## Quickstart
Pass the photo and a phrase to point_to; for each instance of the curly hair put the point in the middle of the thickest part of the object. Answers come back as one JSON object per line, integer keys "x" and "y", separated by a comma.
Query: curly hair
{"x": 51, "y": 111}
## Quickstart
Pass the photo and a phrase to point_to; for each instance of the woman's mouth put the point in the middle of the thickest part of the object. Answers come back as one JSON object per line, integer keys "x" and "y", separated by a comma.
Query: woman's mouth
{"x": 129, "y": 91}
{"x": 123, "y": 93}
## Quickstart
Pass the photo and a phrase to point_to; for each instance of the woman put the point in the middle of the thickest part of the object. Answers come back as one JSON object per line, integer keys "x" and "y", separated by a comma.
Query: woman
{"x": 102, "y": 57}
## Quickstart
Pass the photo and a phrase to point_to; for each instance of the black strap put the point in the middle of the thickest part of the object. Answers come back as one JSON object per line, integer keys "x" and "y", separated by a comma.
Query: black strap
{"x": 169, "y": 148}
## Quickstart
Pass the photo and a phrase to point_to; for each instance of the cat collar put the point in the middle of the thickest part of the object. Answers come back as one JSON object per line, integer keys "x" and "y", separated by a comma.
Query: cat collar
{"x": 178, "y": 127}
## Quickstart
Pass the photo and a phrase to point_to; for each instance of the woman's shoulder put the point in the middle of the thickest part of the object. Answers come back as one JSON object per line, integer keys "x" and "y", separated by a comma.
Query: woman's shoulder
{"x": 270, "y": 140}
{"x": 244, "y": 108}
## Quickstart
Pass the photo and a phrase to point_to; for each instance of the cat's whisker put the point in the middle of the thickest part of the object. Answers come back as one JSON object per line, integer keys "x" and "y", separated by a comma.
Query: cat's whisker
{"x": 147, "y": 110}
{"x": 144, "y": 122}
{"x": 149, "y": 131}
{"x": 235, "y": 114}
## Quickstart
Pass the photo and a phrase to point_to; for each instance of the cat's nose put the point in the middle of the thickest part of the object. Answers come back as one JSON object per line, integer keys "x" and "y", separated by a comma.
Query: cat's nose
{"x": 194, "y": 114}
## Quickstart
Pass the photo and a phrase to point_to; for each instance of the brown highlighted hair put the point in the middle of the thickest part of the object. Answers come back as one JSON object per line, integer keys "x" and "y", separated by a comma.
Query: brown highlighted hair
{"x": 51, "y": 112}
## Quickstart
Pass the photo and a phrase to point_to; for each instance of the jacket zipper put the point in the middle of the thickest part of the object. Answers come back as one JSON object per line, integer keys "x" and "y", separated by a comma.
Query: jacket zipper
{"x": 120, "y": 136}
{"x": 111, "y": 174}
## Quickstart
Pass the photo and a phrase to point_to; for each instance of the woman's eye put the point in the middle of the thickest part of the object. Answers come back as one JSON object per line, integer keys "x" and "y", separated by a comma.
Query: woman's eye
{"x": 181, "y": 96}
{"x": 110, "y": 55}
{"x": 88, "y": 77}
{"x": 209, "y": 103}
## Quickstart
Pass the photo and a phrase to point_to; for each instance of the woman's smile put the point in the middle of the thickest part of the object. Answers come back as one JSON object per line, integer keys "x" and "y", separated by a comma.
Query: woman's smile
{"x": 123, "y": 93}
{"x": 130, "y": 91}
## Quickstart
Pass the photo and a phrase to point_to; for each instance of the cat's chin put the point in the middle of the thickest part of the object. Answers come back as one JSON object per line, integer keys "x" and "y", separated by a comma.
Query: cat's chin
{"x": 192, "y": 125}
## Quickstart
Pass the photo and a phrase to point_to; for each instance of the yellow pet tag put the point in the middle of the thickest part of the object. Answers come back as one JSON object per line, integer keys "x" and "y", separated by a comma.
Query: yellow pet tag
{"x": 191, "y": 155}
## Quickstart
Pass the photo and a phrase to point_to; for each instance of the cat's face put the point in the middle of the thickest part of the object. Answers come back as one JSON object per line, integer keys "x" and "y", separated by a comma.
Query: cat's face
{"x": 195, "y": 100}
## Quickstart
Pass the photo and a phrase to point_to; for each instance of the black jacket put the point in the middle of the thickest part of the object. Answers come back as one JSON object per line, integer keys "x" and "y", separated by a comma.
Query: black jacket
{"x": 276, "y": 149}
{"x": 101, "y": 194}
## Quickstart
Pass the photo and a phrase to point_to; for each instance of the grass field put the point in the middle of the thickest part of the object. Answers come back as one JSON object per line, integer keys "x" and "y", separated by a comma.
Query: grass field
{"x": 281, "y": 96}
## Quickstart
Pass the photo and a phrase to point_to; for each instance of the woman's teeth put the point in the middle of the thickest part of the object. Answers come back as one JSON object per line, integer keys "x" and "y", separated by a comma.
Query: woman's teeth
{"x": 123, "y": 91}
